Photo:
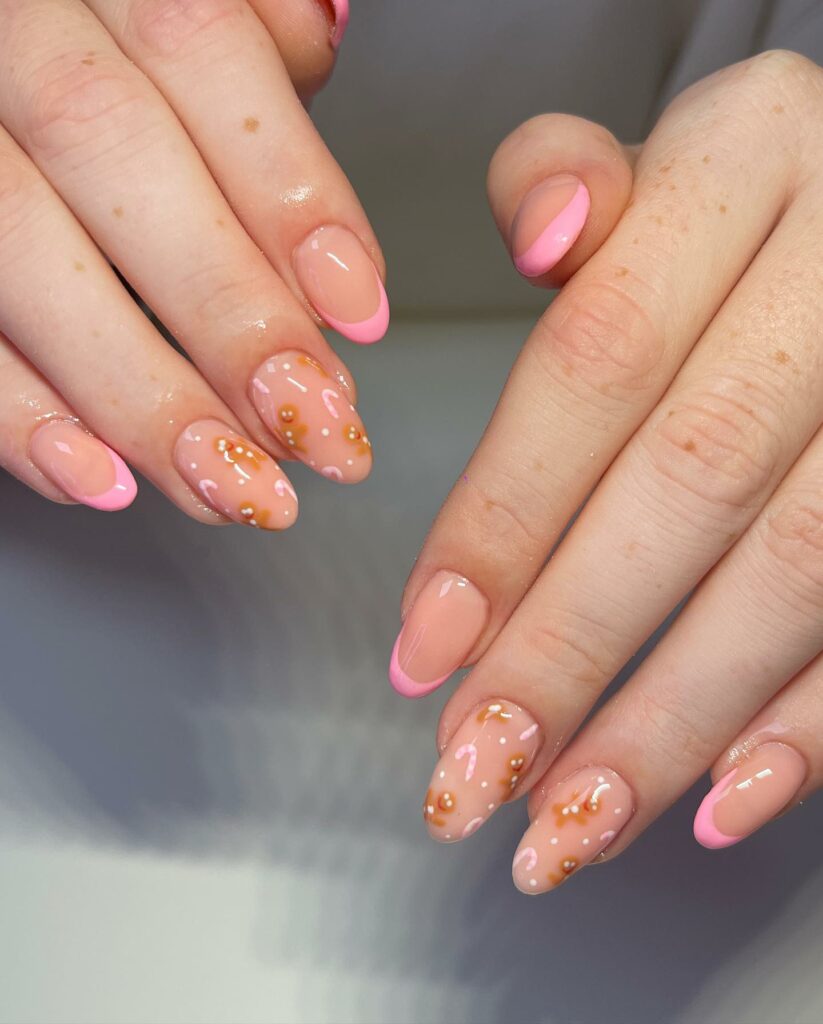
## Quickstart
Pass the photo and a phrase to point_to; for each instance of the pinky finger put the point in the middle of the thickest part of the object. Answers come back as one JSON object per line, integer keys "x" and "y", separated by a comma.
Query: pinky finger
{"x": 774, "y": 764}
{"x": 45, "y": 446}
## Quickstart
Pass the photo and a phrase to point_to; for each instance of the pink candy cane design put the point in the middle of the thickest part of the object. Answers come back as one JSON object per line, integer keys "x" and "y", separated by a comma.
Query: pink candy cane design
{"x": 282, "y": 487}
{"x": 327, "y": 394}
{"x": 471, "y": 750}
{"x": 206, "y": 486}
{"x": 529, "y": 854}
{"x": 332, "y": 472}
{"x": 472, "y": 826}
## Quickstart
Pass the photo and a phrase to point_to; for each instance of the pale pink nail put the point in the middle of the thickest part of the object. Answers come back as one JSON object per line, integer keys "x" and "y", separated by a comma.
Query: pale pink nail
{"x": 548, "y": 223}
{"x": 81, "y": 465}
{"x": 234, "y": 477}
{"x": 442, "y": 627}
{"x": 581, "y": 816}
{"x": 341, "y": 21}
{"x": 480, "y": 769}
{"x": 342, "y": 283}
{"x": 312, "y": 416}
{"x": 749, "y": 795}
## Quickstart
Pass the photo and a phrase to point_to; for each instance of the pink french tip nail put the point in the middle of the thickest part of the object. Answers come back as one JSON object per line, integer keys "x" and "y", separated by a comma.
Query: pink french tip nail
{"x": 480, "y": 769}
{"x": 342, "y": 283}
{"x": 548, "y": 223}
{"x": 312, "y": 416}
{"x": 233, "y": 477}
{"x": 83, "y": 466}
{"x": 439, "y": 632}
{"x": 581, "y": 816}
{"x": 341, "y": 21}
{"x": 749, "y": 795}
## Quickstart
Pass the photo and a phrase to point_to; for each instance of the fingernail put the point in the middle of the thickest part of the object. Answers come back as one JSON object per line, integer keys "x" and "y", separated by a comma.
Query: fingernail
{"x": 440, "y": 630}
{"x": 341, "y": 21}
{"x": 580, "y": 817}
{"x": 480, "y": 769}
{"x": 234, "y": 477}
{"x": 81, "y": 465}
{"x": 342, "y": 284}
{"x": 749, "y": 795}
{"x": 308, "y": 411}
{"x": 548, "y": 223}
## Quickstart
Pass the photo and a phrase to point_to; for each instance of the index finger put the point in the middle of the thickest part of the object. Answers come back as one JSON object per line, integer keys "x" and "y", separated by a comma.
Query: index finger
{"x": 600, "y": 358}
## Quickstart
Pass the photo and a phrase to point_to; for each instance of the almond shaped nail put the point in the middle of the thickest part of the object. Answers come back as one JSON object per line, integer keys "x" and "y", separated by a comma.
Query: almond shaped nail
{"x": 443, "y": 625}
{"x": 82, "y": 466}
{"x": 341, "y": 21}
{"x": 234, "y": 477}
{"x": 342, "y": 283}
{"x": 581, "y": 816}
{"x": 548, "y": 223}
{"x": 311, "y": 414}
{"x": 749, "y": 795}
{"x": 480, "y": 769}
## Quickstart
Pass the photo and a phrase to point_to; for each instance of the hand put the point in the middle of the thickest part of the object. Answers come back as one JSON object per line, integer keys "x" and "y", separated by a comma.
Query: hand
{"x": 677, "y": 379}
{"x": 169, "y": 138}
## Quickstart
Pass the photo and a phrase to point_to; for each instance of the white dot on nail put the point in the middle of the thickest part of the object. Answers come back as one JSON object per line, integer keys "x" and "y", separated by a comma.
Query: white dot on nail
{"x": 197, "y": 437}
{"x": 194, "y": 465}
{"x": 502, "y": 739}
{"x": 286, "y": 366}
{"x": 491, "y": 807}
{"x": 553, "y": 840}
{"x": 325, "y": 431}
{"x": 586, "y": 842}
{"x": 483, "y": 784}
{"x": 349, "y": 462}
{"x": 442, "y": 774}
{"x": 448, "y": 835}
{"x": 600, "y": 779}
{"x": 618, "y": 810}
{"x": 533, "y": 882}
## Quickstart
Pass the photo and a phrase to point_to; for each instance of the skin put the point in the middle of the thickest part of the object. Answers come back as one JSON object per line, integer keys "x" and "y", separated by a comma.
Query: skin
{"x": 681, "y": 369}
{"x": 173, "y": 138}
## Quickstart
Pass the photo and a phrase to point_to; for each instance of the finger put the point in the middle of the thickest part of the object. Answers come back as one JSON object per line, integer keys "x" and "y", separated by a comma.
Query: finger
{"x": 223, "y": 77}
{"x": 774, "y": 763}
{"x": 70, "y": 316}
{"x": 205, "y": 279}
{"x": 751, "y": 626}
{"x": 45, "y": 447}
{"x": 557, "y": 186}
{"x": 308, "y": 34}
{"x": 684, "y": 489}
{"x": 609, "y": 345}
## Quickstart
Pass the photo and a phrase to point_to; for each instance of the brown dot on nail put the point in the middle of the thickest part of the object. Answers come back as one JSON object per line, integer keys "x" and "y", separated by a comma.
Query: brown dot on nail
{"x": 251, "y": 124}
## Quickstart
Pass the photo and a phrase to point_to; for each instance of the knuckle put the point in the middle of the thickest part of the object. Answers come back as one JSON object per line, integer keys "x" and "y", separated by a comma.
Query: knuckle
{"x": 16, "y": 192}
{"x": 793, "y": 536}
{"x": 720, "y": 446}
{"x": 73, "y": 103}
{"x": 671, "y": 732}
{"x": 573, "y": 650}
{"x": 167, "y": 27}
{"x": 792, "y": 72}
{"x": 603, "y": 337}
{"x": 495, "y": 511}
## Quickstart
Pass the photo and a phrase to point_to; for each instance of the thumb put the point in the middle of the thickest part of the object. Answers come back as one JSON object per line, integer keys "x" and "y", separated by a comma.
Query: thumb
{"x": 557, "y": 186}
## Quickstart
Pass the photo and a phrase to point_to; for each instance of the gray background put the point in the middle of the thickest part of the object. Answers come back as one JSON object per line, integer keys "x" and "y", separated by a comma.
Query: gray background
{"x": 209, "y": 795}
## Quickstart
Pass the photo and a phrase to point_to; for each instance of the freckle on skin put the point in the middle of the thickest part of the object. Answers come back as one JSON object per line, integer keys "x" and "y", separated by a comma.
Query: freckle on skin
{"x": 118, "y": 211}
{"x": 781, "y": 357}
{"x": 251, "y": 124}
{"x": 707, "y": 159}
{"x": 722, "y": 207}
{"x": 689, "y": 446}
{"x": 621, "y": 272}
{"x": 658, "y": 220}
{"x": 777, "y": 108}
{"x": 79, "y": 266}
{"x": 87, "y": 60}
{"x": 665, "y": 169}
{"x": 220, "y": 222}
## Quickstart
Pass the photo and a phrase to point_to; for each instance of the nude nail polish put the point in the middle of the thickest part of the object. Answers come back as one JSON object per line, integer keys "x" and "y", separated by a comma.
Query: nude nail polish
{"x": 342, "y": 283}
{"x": 548, "y": 223}
{"x": 440, "y": 630}
{"x": 480, "y": 769}
{"x": 82, "y": 466}
{"x": 749, "y": 795}
{"x": 312, "y": 416}
{"x": 581, "y": 816}
{"x": 234, "y": 477}
{"x": 341, "y": 21}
